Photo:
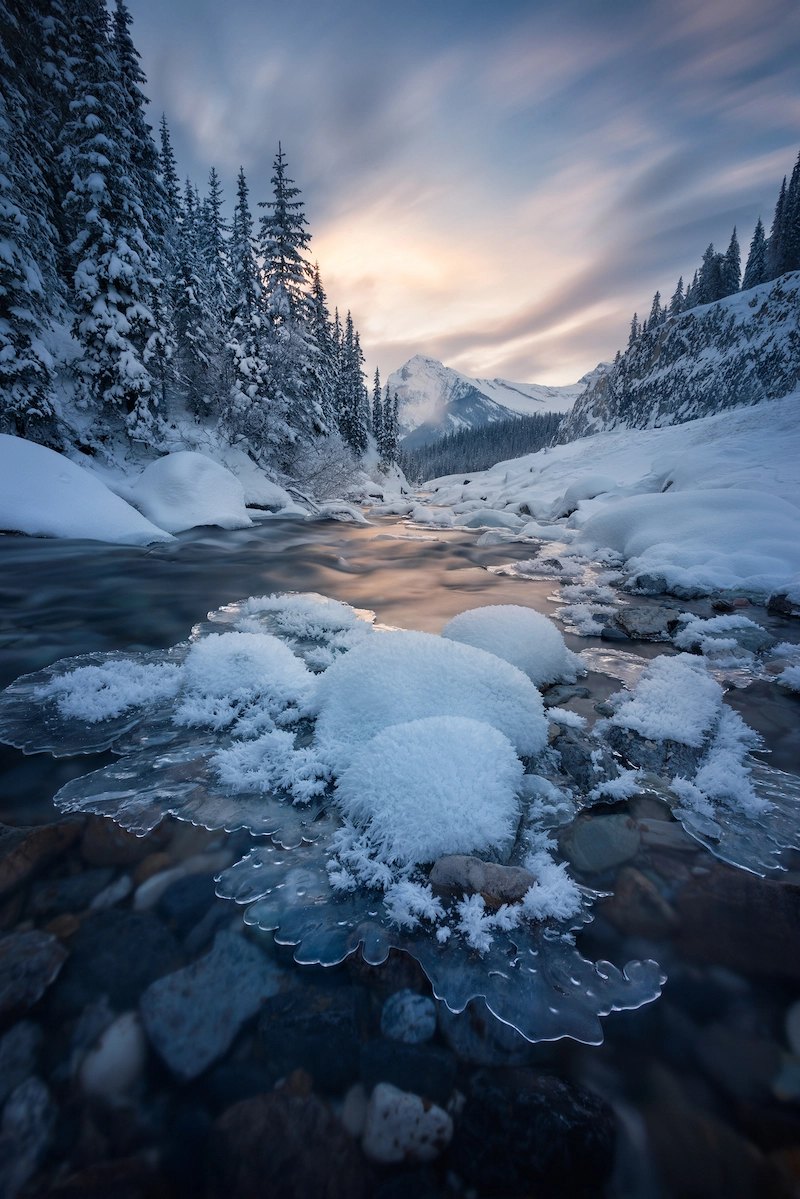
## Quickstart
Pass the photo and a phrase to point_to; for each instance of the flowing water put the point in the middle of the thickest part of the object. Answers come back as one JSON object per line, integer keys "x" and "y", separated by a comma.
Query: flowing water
{"x": 703, "y": 1083}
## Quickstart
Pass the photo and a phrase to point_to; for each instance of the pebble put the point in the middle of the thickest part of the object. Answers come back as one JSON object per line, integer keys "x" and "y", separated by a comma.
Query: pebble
{"x": 25, "y": 850}
{"x": 29, "y": 963}
{"x": 152, "y": 864}
{"x": 408, "y": 1017}
{"x": 457, "y": 875}
{"x": 150, "y": 892}
{"x": 597, "y": 843}
{"x": 354, "y": 1110}
{"x": 637, "y": 907}
{"x": 114, "y": 1065}
{"x": 19, "y": 1049}
{"x": 401, "y": 1127}
{"x": 193, "y": 1015}
{"x": 24, "y": 1135}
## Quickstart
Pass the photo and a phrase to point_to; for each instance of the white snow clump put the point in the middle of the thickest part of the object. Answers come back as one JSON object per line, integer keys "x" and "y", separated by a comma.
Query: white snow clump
{"x": 186, "y": 489}
{"x": 521, "y": 636}
{"x": 310, "y": 617}
{"x": 271, "y": 763}
{"x": 95, "y": 693}
{"x": 676, "y": 699}
{"x": 402, "y": 676}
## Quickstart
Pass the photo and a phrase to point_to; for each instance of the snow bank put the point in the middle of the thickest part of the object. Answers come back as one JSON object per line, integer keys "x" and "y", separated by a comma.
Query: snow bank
{"x": 526, "y": 639}
{"x": 582, "y": 489}
{"x": 709, "y": 540}
{"x": 186, "y": 489}
{"x": 425, "y": 788}
{"x": 43, "y": 494}
{"x": 401, "y": 676}
{"x": 489, "y": 518}
{"x": 439, "y": 518}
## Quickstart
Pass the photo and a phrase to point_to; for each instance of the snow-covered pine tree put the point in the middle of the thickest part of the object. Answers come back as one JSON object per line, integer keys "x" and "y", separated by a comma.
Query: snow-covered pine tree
{"x": 691, "y": 300}
{"x": 352, "y": 393}
{"x": 755, "y": 271}
{"x": 792, "y": 221}
{"x": 323, "y": 359}
{"x": 30, "y": 292}
{"x": 709, "y": 282}
{"x": 377, "y": 413}
{"x": 213, "y": 233}
{"x": 391, "y": 427}
{"x": 169, "y": 174}
{"x": 776, "y": 249}
{"x": 635, "y": 331}
{"x": 677, "y": 301}
{"x": 655, "y": 311}
{"x": 730, "y": 274}
{"x": 194, "y": 325}
{"x": 112, "y": 263}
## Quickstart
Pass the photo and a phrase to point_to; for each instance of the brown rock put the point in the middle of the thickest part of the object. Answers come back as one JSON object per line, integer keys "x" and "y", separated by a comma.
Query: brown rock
{"x": 154, "y": 863}
{"x": 735, "y": 919}
{"x": 23, "y": 851}
{"x": 29, "y": 962}
{"x": 104, "y": 843}
{"x": 460, "y": 875}
{"x": 287, "y": 1147}
{"x": 63, "y": 926}
{"x": 637, "y": 907}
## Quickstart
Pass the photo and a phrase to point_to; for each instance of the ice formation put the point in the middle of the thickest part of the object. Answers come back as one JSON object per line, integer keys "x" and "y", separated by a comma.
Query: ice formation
{"x": 521, "y": 636}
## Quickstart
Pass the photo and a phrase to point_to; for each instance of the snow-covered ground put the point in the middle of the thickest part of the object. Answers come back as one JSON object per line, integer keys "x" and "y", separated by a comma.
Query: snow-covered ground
{"x": 712, "y": 504}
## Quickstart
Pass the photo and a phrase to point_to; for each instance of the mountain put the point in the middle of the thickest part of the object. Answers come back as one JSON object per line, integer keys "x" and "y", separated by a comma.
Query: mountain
{"x": 738, "y": 351}
{"x": 435, "y": 399}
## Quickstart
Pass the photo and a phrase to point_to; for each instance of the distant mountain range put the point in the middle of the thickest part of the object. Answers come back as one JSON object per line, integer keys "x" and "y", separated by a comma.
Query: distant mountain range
{"x": 435, "y": 399}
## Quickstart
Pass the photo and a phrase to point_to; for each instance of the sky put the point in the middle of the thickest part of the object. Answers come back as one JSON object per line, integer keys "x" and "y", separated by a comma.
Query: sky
{"x": 498, "y": 185}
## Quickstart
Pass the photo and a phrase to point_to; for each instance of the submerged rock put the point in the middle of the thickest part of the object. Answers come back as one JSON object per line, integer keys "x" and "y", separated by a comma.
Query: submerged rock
{"x": 587, "y": 760}
{"x": 458, "y": 875}
{"x": 29, "y": 963}
{"x": 594, "y": 844}
{"x": 401, "y": 1127}
{"x": 561, "y": 693}
{"x": 75, "y": 894}
{"x": 23, "y": 851}
{"x": 114, "y": 1065}
{"x": 192, "y": 1016}
{"x": 647, "y": 623}
{"x": 408, "y": 1017}
{"x": 19, "y": 1049}
{"x": 24, "y": 1135}
{"x": 315, "y": 1028}
{"x": 478, "y": 1037}
{"x": 781, "y": 603}
{"x": 637, "y": 907}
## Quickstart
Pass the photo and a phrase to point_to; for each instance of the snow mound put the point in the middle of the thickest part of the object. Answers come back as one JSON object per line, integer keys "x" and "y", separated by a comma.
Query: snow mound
{"x": 186, "y": 489}
{"x": 424, "y": 788}
{"x": 491, "y": 518}
{"x": 710, "y": 540}
{"x": 439, "y": 518}
{"x": 526, "y": 639}
{"x": 676, "y": 699}
{"x": 246, "y": 680}
{"x": 43, "y": 494}
{"x": 401, "y": 676}
{"x": 582, "y": 489}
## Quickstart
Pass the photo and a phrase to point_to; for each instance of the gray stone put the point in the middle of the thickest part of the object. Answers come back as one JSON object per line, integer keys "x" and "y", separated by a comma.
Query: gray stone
{"x": 408, "y": 1017}
{"x": 752, "y": 639}
{"x": 647, "y": 623}
{"x": 648, "y": 584}
{"x": 660, "y": 757}
{"x": 594, "y": 844}
{"x": 780, "y": 604}
{"x": 561, "y": 693}
{"x": 56, "y": 896}
{"x": 459, "y": 875}
{"x": 612, "y": 633}
{"x": 27, "y": 1122}
{"x": 192, "y": 1016}
{"x": 23, "y": 851}
{"x": 586, "y": 759}
{"x": 29, "y": 962}
{"x": 19, "y": 1049}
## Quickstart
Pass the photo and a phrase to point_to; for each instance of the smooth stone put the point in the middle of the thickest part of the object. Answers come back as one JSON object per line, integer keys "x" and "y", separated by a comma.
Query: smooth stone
{"x": 610, "y": 632}
{"x": 525, "y": 1133}
{"x": 354, "y": 1110}
{"x": 401, "y": 1127}
{"x": 637, "y": 907}
{"x": 594, "y": 844}
{"x": 105, "y": 843}
{"x": 185, "y": 902}
{"x": 113, "y": 894}
{"x": 19, "y": 1050}
{"x": 408, "y": 1017}
{"x": 115, "y": 953}
{"x": 28, "y": 1118}
{"x": 29, "y": 963}
{"x": 561, "y": 693}
{"x": 286, "y": 1146}
{"x": 458, "y": 874}
{"x": 114, "y": 1065}
{"x": 792, "y": 1025}
{"x": 75, "y": 894}
{"x": 192, "y": 1016}
{"x": 666, "y": 834}
{"x": 23, "y": 851}
{"x": 318, "y": 1029}
{"x": 647, "y": 624}
{"x": 426, "y": 1070}
{"x": 648, "y": 584}
{"x": 149, "y": 892}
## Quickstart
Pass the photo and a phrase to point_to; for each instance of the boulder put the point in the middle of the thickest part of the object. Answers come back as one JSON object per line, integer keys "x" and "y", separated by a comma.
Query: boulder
{"x": 647, "y": 623}
{"x": 594, "y": 844}
{"x": 457, "y": 875}
{"x": 781, "y": 603}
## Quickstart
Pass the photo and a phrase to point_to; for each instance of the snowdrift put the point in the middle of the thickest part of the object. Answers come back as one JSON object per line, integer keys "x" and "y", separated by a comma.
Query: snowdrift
{"x": 183, "y": 490}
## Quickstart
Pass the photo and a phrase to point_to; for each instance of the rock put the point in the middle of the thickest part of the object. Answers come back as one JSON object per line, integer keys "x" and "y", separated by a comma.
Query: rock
{"x": 105, "y": 843}
{"x": 154, "y": 863}
{"x": 459, "y": 875}
{"x": 285, "y": 1147}
{"x": 722, "y": 605}
{"x": 478, "y": 1037}
{"x": 742, "y": 1065}
{"x": 648, "y": 584}
{"x": 64, "y": 927}
{"x": 666, "y": 834}
{"x": 424, "y": 1069}
{"x": 408, "y": 1017}
{"x": 561, "y": 693}
{"x": 660, "y": 757}
{"x": 780, "y": 603}
{"x": 185, "y": 902}
{"x": 354, "y": 1110}
{"x": 587, "y": 760}
{"x": 637, "y": 907}
{"x": 56, "y": 896}
{"x": 193, "y": 1015}
{"x": 611, "y": 632}
{"x": 115, "y": 953}
{"x": 190, "y": 840}
{"x": 113, "y": 894}
{"x": 735, "y": 919}
{"x": 25, "y": 1132}
{"x": 753, "y": 639}
{"x": 594, "y": 844}
{"x": 149, "y": 892}
{"x": 23, "y": 851}
{"x": 29, "y": 963}
{"x": 401, "y": 1127}
{"x": 647, "y": 624}
{"x": 19, "y": 1050}
{"x": 114, "y": 1065}
{"x": 791, "y": 1024}
{"x": 526, "y": 1133}
{"x": 125, "y": 1178}
{"x": 318, "y": 1029}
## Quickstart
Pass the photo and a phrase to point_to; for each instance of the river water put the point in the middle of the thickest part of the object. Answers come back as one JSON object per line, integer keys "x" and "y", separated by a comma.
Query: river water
{"x": 704, "y": 1089}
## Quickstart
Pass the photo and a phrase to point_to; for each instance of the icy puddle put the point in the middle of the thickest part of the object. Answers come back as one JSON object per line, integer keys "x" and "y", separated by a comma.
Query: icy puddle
{"x": 267, "y": 798}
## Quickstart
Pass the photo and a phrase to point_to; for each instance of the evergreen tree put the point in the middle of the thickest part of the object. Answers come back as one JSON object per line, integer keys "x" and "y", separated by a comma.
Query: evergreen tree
{"x": 731, "y": 268}
{"x": 323, "y": 361}
{"x": 635, "y": 331}
{"x": 792, "y": 221}
{"x": 655, "y": 311}
{"x": 284, "y": 242}
{"x": 351, "y": 391}
{"x": 709, "y": 283}
{"x": 247, "y": 410}
{"x": 193, "y": 322}
{"x": 677, "y": 301}
{"x": 776, "y": 250}
{"x": 756, "y": 270}
{"x": 691, "y": 300}
{"x": 377, "y": 413}
{"x": 169, "y": 174}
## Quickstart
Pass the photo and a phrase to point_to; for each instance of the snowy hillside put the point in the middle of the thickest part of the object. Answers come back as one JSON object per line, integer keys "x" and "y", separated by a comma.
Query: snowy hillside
{"x": 435, "y": 399}
{"x": 740, "y": 350}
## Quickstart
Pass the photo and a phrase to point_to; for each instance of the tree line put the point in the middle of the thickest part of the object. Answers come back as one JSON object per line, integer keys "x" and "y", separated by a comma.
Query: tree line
{"x": 468, "y": 450}
{"x": 127, "y": 300}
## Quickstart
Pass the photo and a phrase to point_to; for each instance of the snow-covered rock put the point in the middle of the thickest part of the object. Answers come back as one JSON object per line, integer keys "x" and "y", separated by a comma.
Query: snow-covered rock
{"x": 186, "y": 489}
{"x": 490, "y": 518}
{"x": 521, "y": 636}
{"x": 44, "y": 494}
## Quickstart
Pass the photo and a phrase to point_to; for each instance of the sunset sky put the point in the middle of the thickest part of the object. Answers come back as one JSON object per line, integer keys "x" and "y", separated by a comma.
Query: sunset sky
{"x": 498, "y": 185}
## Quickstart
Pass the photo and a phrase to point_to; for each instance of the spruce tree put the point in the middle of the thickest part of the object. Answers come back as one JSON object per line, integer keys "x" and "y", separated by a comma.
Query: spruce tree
{"x": 709, "y": 282}
{"x": 691, "y": 300}
{"x": 756, "y": 270}
{"x": 792, "y": 221}
{"x": 677, "y": 300}
{"x": 655, "y": 311}
{"x": 247, "y": 410}
{"x": 635, "y": 331}
{"x": 320, "y": 335}
{"x": 731, "y": 268}
{"x": 377, "y": 413}
{"x": 352, "y": 396}
{"x": 169, "y": 174}
{"x": 776, "y": 250}
{"x": 283, "y": 246}
{"x": 193, "y": 321}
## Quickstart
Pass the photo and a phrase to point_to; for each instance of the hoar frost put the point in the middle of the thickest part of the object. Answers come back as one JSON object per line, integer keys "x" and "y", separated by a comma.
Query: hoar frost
{"x": 521, "y": 636}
